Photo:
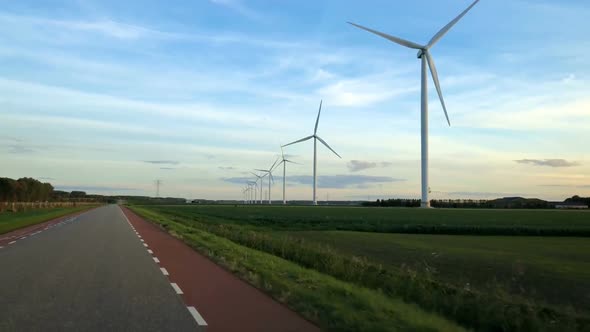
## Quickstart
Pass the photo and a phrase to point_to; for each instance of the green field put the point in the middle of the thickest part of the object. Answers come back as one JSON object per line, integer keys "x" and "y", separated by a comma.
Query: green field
{"x": 10, "y": 221}
{"x": 498, "y": 274}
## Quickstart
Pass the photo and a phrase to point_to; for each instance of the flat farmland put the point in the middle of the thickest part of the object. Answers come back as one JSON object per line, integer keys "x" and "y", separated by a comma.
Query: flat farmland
{"x": 395, "y": 220}
{"x": 508, "y": 270}
{"x": 527, "y": 266}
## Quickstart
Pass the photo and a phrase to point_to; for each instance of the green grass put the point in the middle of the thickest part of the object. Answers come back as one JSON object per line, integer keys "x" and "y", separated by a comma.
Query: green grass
{"x": 396, "y": 220}
{"x": 10, "y": 221}
{"x": 399, "y": 265}
{"x": 333, "y": 304}
{"x": 528, "y": 266}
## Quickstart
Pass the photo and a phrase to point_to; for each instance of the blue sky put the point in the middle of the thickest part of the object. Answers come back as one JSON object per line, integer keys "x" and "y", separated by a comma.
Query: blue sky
{"x": 108, "y": 96}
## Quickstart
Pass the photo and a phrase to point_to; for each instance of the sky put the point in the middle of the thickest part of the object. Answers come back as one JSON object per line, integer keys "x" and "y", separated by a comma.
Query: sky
{"x": 108, "y": 96}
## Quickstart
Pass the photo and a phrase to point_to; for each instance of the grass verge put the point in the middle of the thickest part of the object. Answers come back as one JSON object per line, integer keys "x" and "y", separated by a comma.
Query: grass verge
{"x": 10, "y": 221}
{"x": 332, "y": 304}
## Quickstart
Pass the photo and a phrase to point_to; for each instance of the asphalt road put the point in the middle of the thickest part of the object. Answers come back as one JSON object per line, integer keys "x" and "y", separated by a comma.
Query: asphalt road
{"x": 90, "y": 274}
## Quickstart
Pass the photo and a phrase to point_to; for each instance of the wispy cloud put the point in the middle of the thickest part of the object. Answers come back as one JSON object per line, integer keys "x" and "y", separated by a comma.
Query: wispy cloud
{"x": 226, "y": 168}
{"x": 20, "y": 149}
{"x": 240, "y": 8}
{"x": 548, "y": 162}
{"x": 160, "y": 162}
{"x": 360, "y": 165}
{"x": 167, "y": 168}
{"x": 328, "y": 181}
{"x": 106, "y": 27}
{"x": 343, "y": 181}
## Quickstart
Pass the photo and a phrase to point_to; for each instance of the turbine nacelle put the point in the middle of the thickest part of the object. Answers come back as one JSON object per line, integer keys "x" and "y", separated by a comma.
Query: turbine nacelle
{"x": 421, "y": 53}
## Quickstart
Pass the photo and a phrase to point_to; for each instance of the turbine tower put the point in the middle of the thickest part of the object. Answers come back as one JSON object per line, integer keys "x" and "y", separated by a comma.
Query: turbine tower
{"x": 284, "y": 161}
{"x": 270, "y": 177}
{"x": 259, "y": 177}
{"x": 158, "y": 183}
{"x": 252, "y": 185}
{"x": 316, "y": 138}
{"x": 427, "y": 60}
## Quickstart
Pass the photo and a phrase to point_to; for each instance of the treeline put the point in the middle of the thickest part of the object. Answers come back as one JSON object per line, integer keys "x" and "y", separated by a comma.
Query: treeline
{"x": 24, "y": 190}
{"x": 577, "y": 199}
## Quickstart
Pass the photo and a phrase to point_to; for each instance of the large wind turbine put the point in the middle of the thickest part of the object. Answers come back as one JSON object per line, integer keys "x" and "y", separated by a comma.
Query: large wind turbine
{"x": 284, "y": 161}
{"x": 426, "y": 58}
{"x": 315, "y": 154}
{"x": 270, "y": 177}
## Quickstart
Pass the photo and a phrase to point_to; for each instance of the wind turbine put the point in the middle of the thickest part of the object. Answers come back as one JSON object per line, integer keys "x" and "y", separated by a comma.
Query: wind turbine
{"x": 284, "y": 161}
{"x": 245, "y": 191}
{"x": 315, "y": 154}
{"x": 427, "y": 60}
{"x": 270, "y": 178}
{"x": 260, "y": 177}
{"x": 252, "y": 185}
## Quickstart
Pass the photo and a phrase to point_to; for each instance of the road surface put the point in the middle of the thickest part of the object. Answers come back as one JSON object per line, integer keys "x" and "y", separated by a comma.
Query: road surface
{"x": 89, "y": 274}
{"x": 109, "y": 270}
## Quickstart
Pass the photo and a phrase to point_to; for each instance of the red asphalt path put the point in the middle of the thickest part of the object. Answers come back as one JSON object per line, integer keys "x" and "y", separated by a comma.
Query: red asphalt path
{"x": 22, "y": 233}
{"x": 225, "y": 302}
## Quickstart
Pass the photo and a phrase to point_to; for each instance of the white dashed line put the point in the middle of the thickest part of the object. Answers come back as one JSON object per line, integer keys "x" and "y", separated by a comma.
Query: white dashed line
{"x": 141, "y": 240}
{"x": 145, "y": 244}
{"x": 13, "y": 242}
{"x": 24, "y": 237}
{"x": 1, "y": 247}
{"x": 164, "y": 272}
{"x": 150, "y": 251}
{"x": 200, "y": 321}
{"x": 176, "y": 288}
{"x": 156, "y": 259}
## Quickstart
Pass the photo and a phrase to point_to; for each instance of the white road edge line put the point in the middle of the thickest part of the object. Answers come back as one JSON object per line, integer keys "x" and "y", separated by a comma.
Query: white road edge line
{"x": 200, "y": 321}
{"x": 164, "y": 271}
{"x": 12, "y": 242}
{"x": 150, "y": 251}
{"x": 176, "y": 288}
{"x": 1, "y": 247}
{"x": 141, "y": 240}
{"x": 156, "y": 259}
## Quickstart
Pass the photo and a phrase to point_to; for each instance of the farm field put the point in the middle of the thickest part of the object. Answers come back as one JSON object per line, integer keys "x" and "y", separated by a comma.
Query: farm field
{"x": 490, "y": 277}
{"x": 395, "y": 220}
{"x": 10, "y": 221}
{"x": 524, "y": 265}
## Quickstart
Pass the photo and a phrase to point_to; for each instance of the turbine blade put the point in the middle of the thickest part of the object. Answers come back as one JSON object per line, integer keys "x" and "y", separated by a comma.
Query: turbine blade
{"x": 436, "y": 83}
{"x": 292, "y": 162}
{"x": 448, "y": 27}
{"x": 317, "y": 121}
{"x": 394, "y": 39}
{"x": 273, "y": 165}
{"x": 282, "y": 152}
{"x": 326, "y": 144}
{"x": 298, "y": 141}
{"x": 261, "y": 170}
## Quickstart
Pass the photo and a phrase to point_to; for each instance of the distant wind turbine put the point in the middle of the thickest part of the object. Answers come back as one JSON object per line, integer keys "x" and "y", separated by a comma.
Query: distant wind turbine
{"x": 427, "y": 60}
{"x": 252, "y": 185}
{"x": 270, "y": 178}
{"x": 315, "y": 154}
{"x": 284, "y": 161}
{"x": 260, "y": 177}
